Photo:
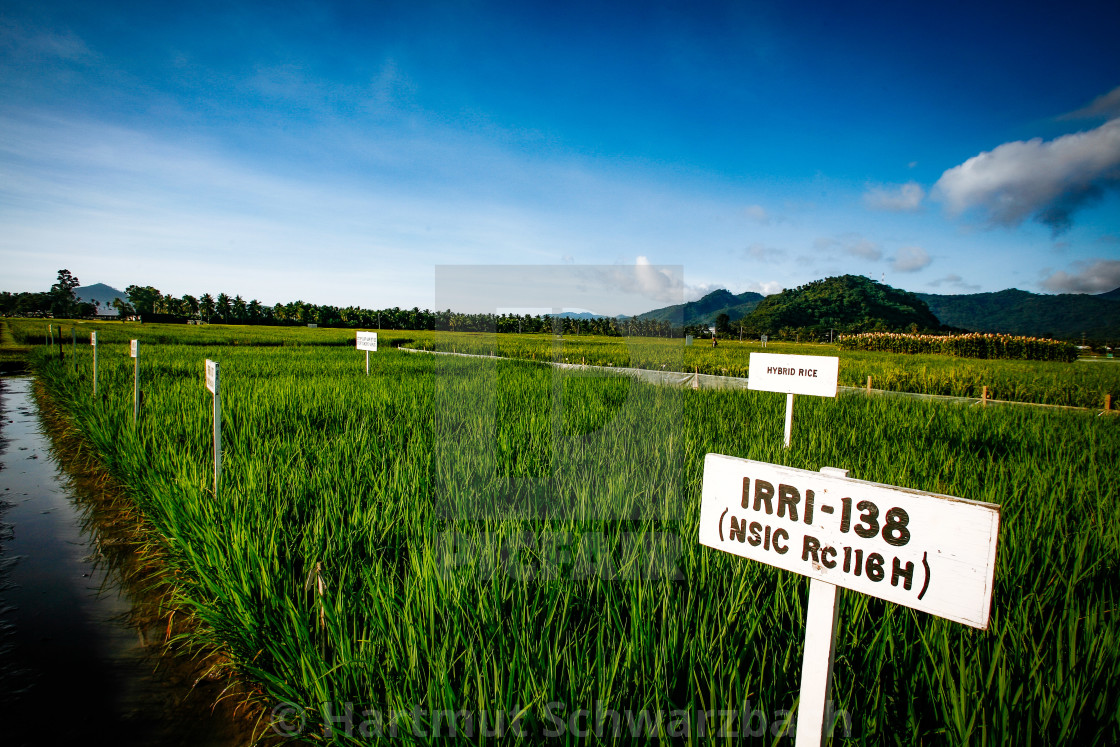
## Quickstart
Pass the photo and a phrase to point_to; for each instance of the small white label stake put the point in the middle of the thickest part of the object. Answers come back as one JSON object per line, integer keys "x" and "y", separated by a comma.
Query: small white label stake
{"x": 93, "y": 343}
{"x": 134, "y": 352}
{"x": 789, "y": 418}
{"x": 213, "y": 383}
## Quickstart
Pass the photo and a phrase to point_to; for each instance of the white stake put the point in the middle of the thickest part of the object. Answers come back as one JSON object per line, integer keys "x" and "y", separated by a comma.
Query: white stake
{"x": 93, "y": 342}
{"x": 820, "y": 650}
{"x": 134, "y": 350}
{"x": 789, "y": 418}
{"x": 213, "y": 383}
{"x": 367, "y": 363}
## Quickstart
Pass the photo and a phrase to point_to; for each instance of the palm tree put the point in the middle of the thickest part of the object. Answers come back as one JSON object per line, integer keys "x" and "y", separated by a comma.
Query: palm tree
{"x": 206, "y": 305}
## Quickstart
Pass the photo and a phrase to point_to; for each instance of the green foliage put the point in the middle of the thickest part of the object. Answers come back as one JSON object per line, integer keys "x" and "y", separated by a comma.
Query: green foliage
{"x": 64, "y": 302}
{"x": 965, "y": 346}
{"x": 369, "y": 542}
{"x": 1067, "y": 316}
{"x": 142, "y": 298}
{"x": 850, "y": 303}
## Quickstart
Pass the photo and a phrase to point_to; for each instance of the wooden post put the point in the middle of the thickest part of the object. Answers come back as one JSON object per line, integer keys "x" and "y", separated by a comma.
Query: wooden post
{"x": 984, "y": 397}
{"x": 869, "y": 385}
{"x": 820, "y": 650}
{"x": 1108, "y": 401}
{"x": 789, "y": 418}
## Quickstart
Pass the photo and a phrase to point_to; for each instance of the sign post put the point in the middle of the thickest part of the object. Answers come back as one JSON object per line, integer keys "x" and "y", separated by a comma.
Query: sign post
{"x": 934, "y": 553}
{"x": 213, "y": 383}
{"x": 793, "y": 374}
{"x": 134, "y": 351}
{"x": 93, "y": 343}
{"x": 366, "y": 341}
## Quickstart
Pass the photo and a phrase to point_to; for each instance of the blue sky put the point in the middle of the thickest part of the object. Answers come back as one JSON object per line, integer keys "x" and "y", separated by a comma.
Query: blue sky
{"x": 341, "y": 153}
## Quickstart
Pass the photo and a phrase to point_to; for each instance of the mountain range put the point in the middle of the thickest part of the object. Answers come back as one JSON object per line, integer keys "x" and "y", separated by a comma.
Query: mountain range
{"x": 1013, "y": 311}
{"x": 1067, "y": 316}
{"x": 707, "y": 308}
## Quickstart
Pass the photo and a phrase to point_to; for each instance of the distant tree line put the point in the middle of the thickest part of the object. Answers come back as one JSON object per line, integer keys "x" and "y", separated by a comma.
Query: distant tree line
{"x": 226, "y": 309}
{"x": 60, "y": 301}
{"x": 148, "y": 302}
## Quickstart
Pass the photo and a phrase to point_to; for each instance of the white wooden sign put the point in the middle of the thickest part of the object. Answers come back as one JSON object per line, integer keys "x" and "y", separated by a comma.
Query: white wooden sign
{"x": 794, "y": 374}
{"x": 931, "y": 552}
{"x": 212, "y": 376}
{"x": 367, "y": 341}
{"x": 132, "y": 348}
{"x": 93, "y": 339}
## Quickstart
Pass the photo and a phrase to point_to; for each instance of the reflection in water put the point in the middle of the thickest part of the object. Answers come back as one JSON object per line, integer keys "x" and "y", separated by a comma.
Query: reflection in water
{"x": 79, "y": 652}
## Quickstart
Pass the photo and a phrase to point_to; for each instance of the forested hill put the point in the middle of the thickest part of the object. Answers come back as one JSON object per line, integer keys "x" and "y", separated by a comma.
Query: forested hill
{"x": 1065, "y": 316}
{"x": 707, "y": 308}
{"x": 849, "y": 303}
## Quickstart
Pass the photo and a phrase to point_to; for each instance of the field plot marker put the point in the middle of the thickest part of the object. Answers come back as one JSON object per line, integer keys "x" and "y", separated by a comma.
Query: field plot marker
{"x": 934, "y": 553}
{"x": 93, "y": 344}
{"x": 134, "y": 352}
{"x": 366, "y": 341}
{"x": 793, "y": 374}
{"x": 213, "y": 383}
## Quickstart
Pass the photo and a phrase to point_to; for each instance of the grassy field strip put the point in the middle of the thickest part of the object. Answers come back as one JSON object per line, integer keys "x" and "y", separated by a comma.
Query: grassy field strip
{"x": 709, "y": 381}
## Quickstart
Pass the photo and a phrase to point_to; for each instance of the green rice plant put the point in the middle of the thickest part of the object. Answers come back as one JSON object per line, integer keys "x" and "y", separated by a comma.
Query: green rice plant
{"x": 465, "y": 536}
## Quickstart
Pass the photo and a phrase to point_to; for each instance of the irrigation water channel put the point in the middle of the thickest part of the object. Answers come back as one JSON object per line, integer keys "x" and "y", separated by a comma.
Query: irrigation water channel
{"x": 80, "y": 662}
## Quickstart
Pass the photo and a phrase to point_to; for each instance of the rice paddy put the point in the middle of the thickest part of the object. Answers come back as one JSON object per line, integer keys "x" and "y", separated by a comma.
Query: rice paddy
{"x": 481, "y": 547}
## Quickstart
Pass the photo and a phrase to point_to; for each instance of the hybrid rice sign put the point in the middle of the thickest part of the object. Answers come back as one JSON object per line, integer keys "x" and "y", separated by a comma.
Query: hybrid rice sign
{"x": 931, "y": 552}
{"x": 794, "y": 374}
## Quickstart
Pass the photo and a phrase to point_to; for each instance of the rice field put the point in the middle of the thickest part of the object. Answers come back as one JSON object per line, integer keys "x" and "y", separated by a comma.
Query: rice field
{"x": 500, "y": 547}
{"x": 1078, "y": 384}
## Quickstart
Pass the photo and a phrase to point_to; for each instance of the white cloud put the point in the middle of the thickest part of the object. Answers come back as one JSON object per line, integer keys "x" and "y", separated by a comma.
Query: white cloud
{"x": 954, "y": 280}
{"x": 901, "y": 198}
{"x": 852, "y": 244}
{"x": 1098, "y": 276}
{"x": 765, "y": 287}
{"x": 1104, "y": 106}
{"x": 762, "y": 253}
{"x": 758, "y": 214}
{"x": 1044, "y": 180}
{"x": 910, "y": 259}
